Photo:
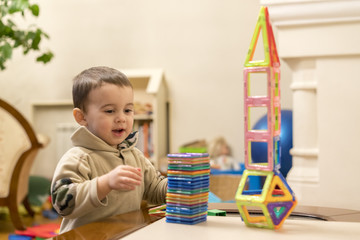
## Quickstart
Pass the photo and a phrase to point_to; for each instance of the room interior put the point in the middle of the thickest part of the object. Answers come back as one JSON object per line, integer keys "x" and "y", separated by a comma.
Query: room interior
{"x": 187, "y": 60}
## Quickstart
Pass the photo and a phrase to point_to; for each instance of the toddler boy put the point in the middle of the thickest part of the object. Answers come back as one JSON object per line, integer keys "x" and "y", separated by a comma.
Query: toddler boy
{"x": 104, "y": 174}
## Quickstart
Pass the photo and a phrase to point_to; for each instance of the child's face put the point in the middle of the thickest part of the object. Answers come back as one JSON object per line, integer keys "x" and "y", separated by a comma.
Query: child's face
{"x": 110, "y": 113}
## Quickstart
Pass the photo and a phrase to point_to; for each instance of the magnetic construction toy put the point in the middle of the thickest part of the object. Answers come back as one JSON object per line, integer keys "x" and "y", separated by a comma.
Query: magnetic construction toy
{"x": 275, "y": 199}
{"x": 188, "y": 188}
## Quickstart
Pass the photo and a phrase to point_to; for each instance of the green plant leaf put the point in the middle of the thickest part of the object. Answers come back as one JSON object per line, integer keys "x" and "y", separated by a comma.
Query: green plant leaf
{"x": 18, "y": 6}
{"x": 2, "y": 67}
{"x": 6, "y": 51}
{"x": 46, "y": 57}
{"x": 36, "y": 40}
{"x": 12, "y": 37}
{"x": 35, "y": 9}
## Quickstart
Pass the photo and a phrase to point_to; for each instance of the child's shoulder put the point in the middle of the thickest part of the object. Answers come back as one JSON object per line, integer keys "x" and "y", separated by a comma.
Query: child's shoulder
{"x": 77, "y": 153}
{"x": 79, "y": 150}
{"x": 137, "y": 151}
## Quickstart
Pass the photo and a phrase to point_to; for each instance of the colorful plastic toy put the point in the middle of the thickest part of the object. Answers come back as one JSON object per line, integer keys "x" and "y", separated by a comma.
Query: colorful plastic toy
{"x": 274, "y": 200}
{"x": 216, "y": 212}
{"x": 188, "y": 188}
{"x": 158, "y": 211}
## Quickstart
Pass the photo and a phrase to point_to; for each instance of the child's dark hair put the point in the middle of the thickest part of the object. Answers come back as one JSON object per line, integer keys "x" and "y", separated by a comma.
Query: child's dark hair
{"x": 93, "y": 78}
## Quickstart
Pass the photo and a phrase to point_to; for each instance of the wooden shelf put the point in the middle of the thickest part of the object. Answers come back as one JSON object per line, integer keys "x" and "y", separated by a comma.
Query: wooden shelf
{"x": 150, "y": 88}
{"x": 143, "y": 117}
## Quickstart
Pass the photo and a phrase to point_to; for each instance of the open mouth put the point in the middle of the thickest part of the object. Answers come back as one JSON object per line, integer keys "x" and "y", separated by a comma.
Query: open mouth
{"x": 118, "y": 131}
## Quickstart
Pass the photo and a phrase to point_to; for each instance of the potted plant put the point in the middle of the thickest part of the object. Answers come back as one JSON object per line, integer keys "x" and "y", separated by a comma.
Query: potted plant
{"x": 11, "y": 36}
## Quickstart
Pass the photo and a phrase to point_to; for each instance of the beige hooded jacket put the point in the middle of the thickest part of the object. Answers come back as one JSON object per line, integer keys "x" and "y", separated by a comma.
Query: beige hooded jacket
{"x": 74, "y": 186}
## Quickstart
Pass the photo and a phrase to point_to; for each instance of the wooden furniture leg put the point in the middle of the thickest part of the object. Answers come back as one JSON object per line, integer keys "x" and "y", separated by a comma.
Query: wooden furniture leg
{"x": 15, "y": 216}
{"x": 28, "y": 207}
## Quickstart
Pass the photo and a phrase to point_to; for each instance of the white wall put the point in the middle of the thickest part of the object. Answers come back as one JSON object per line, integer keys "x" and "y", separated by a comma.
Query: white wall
{"x": 201, "y": 46}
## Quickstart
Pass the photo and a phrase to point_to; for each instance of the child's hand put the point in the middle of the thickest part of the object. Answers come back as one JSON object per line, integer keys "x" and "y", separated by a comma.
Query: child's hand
{"x": 124, "y": 178}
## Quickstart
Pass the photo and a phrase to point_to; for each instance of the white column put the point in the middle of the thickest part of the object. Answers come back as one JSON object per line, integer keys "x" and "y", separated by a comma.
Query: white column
{"x": 305, "y": 145}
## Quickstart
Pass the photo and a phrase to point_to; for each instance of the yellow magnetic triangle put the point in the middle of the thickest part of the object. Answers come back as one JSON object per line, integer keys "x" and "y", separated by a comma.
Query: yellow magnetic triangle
{"x": 256, "y": 197}
{"x": 270, "y": 53}
{"x": 262, "y": 221}
{"x": 278, "y": 192}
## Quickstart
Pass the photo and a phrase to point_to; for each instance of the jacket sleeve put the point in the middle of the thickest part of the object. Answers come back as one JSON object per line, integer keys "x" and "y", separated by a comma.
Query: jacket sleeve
{"x": 155, "y": 184}
{"x": 73, "y": 192}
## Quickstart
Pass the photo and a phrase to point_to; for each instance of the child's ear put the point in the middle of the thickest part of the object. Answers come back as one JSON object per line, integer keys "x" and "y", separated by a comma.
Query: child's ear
{"x": 79, "y": 116}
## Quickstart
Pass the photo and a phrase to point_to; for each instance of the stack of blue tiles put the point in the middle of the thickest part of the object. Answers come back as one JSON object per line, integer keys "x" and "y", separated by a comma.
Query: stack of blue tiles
{"x": 188, "y": 188}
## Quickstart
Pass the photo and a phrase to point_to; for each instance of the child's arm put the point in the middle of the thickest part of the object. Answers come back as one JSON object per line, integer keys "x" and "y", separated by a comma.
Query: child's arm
{"x": 155, "y": 184}
{"x": 123, "y": 178}
{"x": 73, "y": 193}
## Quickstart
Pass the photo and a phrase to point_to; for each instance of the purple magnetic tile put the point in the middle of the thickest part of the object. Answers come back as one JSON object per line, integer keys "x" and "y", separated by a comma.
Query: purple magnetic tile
{"x": 271, "y": 206}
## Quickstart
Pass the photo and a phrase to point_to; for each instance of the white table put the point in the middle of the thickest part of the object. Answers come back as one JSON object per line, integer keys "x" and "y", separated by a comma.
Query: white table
{"x": 232, "y": 227}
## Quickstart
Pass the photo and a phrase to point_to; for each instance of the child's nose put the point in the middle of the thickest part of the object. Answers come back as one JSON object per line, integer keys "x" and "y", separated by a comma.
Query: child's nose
{"x": 120, "y": 118}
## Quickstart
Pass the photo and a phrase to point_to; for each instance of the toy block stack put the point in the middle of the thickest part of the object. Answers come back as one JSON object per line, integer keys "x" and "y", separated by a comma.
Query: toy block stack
{"x": 274, "y": 199}
{"x": 188, "y": 188}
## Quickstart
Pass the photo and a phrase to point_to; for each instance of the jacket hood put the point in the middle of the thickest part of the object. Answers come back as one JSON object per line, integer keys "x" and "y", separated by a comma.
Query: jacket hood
{"x": 82, "y": 137}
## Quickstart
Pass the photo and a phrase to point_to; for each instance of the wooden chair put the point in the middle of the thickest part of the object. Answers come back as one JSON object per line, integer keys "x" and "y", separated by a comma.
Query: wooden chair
{"x": 18, "y": 148}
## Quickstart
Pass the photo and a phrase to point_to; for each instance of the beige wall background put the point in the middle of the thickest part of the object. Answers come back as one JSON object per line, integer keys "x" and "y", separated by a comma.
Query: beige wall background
{"x": 201, "y": 46}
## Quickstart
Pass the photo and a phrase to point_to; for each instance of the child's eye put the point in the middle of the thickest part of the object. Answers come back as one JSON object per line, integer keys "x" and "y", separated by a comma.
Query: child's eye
{"x": 109, "y": 111}
{"x": 128, "y": 110}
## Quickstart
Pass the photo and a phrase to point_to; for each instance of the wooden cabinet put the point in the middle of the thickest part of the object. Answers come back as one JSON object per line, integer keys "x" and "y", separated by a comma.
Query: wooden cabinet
{"x": 151, "y": 112}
